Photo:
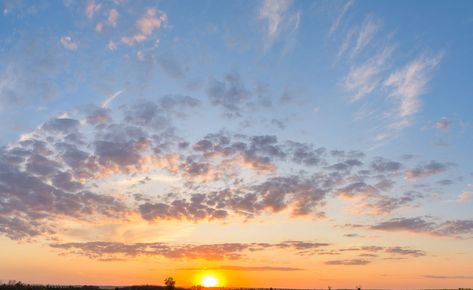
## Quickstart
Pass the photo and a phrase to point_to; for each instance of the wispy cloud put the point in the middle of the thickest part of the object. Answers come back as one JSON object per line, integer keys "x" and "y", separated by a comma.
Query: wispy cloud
{"x": 366, "y": 34}
{"x": 448, "y": 277}
{"x": 279, "y": 18}
{"x": 351, "y": 262}
{"x": 407, "y": 84}
{"x": 338, "y": 20}
{"x": 464, "y": 197}
{"x": 110, "y": 99}
{"x": 366, "y": 78}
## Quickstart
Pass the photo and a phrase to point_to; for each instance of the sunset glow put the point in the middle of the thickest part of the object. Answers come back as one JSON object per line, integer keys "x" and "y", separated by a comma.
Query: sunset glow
{"x": 209, "y": 281}
{"x": 248, "y": 143}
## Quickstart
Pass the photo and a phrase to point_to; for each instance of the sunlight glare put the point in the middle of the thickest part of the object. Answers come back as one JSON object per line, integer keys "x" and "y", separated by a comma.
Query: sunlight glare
{"x": 209, "y": 281}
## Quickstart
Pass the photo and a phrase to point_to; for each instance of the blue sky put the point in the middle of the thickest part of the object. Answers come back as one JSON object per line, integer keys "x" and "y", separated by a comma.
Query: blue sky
{"x": 372, "y": 97}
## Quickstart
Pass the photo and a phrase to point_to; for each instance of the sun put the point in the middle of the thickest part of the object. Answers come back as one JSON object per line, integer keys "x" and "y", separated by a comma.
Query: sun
{"x": 209, "y": 281}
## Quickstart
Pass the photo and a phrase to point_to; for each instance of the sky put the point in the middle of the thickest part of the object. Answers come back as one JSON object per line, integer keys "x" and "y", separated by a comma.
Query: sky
{"x": 301, "y": 144}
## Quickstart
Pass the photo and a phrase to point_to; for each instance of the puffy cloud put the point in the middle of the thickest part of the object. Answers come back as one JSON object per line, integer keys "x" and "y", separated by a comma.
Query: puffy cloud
{"x": 276, "y": 194}
{"x": 91, "y": 8}
{"x": 229, "y": 94}
{"x": 428, "y": 169}
{"x": 50, "y": 174}
{"x": 152, "y": 19}
{"x": 67, "y": 160}
{"x": 382, "y": 165}
{"x": 112, "y": 18}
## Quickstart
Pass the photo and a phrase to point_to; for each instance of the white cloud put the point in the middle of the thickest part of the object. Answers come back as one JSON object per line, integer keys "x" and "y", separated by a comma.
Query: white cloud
{"x": 410, "y": 82}
{"x": 278, "y": 17}
{"x": 366, "y": 33}
{"x": 68, "y": 43}
{"x": 365, "y": 78}
{"x": 91, "y": 8}
{"x": 112, "y": 17}
{"x": 110, "y": 99}
{"x": 336, "y": 23}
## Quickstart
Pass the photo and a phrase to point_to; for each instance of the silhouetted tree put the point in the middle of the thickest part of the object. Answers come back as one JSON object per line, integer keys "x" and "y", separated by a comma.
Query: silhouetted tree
{"x": 170, "y": 283}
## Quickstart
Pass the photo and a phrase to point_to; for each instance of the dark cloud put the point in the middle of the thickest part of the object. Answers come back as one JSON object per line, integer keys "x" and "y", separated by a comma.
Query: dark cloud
{"x": 230, "y": 94}
{"x": 226, "y": 251}
{"x": 428, "y": 169}
{"x": 303, "y": 195}
{"x": 62, "y": 163}
{"x": 382, "y": 165}
{"x": 396, "y": 251}
{"x": 405, "y": 252}
{"x": 452, "y": 228}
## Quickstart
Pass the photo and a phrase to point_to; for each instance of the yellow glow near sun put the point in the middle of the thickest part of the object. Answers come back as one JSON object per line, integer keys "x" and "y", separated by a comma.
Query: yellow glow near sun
{"x": 209, "y": 281}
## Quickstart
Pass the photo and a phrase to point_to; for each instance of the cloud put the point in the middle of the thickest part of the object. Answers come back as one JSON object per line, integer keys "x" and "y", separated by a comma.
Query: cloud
{"x": 225, "y": 251}
{"x": 367, "y": 251}
{"x": 230, "y": 93}
{"x": 448, "y": 277}
{"x": 366, "y": 33}
{"x": 152, "y": 19}
{"x": 382, "y": 165}
{"x": 67, "y": 161}
{"x": 110, "y": 99}
{"x": 450, "y": 228}
{"x": 91, "y": 8}
{"x": 407, "y": 84}
{"x": 352, "y": 262}
{"x": 443, "y": 124}
{"x": 68, "y": 43}
{"x": 428, "y": 169}
{"x": 246, "y": 268}
{"x": 338, "y": 20}
{"x": 464, "y": 197}
{"x": 49, "y": 175}
{"x": 112, "y": 18}
{"x": 363, "y": 79}
{"x": 279, "y": 19}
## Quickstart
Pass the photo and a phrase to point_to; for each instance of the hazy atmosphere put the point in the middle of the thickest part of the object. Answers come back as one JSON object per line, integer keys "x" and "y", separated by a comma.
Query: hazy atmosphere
{"x": 276, "y": 143}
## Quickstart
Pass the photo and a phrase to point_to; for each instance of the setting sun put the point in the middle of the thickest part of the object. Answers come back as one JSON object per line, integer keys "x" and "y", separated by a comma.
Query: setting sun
{"x": 209, "y": 281}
